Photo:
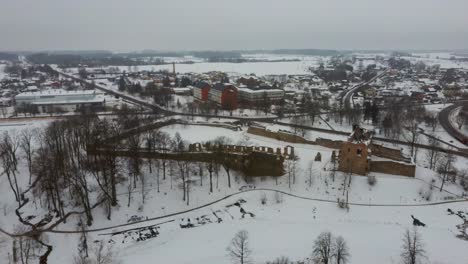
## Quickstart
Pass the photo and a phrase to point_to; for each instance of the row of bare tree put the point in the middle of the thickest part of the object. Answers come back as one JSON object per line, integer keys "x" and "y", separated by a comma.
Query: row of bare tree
{"x": 328, "y": 249}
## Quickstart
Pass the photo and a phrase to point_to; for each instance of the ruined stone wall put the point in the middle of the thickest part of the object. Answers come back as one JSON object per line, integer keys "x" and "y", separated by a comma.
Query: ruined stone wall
{"x": 354, "y": 158}
{"x": 283, "y": 136}
{"x": 389, "y": 153}
{"x": 328, "y": 143}
{"x": 392, "y": 167}
{"x": 252, "y": 164}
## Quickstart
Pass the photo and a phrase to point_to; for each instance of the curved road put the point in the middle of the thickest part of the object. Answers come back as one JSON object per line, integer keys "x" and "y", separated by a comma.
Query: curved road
{"x": 444, "y": 120}
{"x": 349, "y": 95}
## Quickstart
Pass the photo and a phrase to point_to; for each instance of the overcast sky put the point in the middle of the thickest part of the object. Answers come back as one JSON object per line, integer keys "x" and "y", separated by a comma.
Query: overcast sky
{"x": 124, "y": 25}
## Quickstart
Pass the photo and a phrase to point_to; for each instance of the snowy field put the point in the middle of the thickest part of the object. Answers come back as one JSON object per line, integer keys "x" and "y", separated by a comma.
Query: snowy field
{"x": 2, "y": 71}
{"x": 294, "y": 217}
{"x": 258, "y": 68}
{"x": 437, "y": 58}
{"x": 287, "y": 67}
{"x": 287, "y": 228}
{"x": 288, "y": 223}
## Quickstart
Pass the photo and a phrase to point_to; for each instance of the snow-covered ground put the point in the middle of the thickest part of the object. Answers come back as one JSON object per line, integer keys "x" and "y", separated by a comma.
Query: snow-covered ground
{"x": 437, "y": 58}
{"x": 258, "y": 68}
{"x": 276, "y": 228}
{"x": 374, "y": 234}
{"x": 2, "y": 71}
{"x": 373, "y": 226}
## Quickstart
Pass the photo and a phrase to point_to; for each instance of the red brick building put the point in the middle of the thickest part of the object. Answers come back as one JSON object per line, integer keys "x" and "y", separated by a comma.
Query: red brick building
{"x": 224, "y": 95}
{"x": 201, "y": 91}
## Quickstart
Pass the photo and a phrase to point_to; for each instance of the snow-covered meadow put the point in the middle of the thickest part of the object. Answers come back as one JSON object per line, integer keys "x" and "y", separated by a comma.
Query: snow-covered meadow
{"x": 286, "y": 228}
{"x": 286, "y": 225}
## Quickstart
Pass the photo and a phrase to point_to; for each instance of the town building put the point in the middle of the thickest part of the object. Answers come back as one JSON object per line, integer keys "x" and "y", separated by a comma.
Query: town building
{"x": 249, "y": 81}
{"x": 182, "y": 90}
{"x": 59, "y": 99}
{"x": 251, "y": 96}
{"x": 201, "y": 90}
{"x": 224, "y": 95}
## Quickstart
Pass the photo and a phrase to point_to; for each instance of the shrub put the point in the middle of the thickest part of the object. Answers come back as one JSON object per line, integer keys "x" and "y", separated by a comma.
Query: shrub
{"x": 372, "y": 180}
{"x": 263, "y": 199}
{"x": 278, "y": 197}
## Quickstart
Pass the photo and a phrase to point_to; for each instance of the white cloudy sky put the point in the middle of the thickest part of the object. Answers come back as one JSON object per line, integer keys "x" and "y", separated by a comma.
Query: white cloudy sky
{"x": 124, "y": 25}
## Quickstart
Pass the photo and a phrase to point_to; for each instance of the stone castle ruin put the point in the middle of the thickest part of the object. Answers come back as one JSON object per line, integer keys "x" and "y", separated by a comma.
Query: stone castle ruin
{"x": 355, "y": 156}
{"x": 252, "y": 160}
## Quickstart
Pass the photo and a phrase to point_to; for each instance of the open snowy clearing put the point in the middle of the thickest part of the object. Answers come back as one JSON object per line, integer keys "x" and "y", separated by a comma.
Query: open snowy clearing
{"x": 380, "y": 224}
{"x": 289, "y": 228}
{"x": 257, "y": 68}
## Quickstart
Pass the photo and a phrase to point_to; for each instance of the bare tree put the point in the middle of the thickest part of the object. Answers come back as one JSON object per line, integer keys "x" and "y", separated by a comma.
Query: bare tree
{"x": 432, "y": 153}
{"x": 83, "y": 253}
{"x": 310, "y": 170}
{"x": 9, "y": 161}
{"x": 183, "y": 173}
{"x": 101, "y": 253}
{"x": 322, "y": 251}
{"x": 164, "y": 142}
{"x": 238, "y": 249}
{"x": 460, "y": 120}
{"x": 210, "y": 168}
{"x": 341, "y": 251}
{"x": 280, "y": 260}
{"x": 292, "y": 169}
{"x": 328, "y": 249}
{"x": 334, "y": 165}
{"x": 446, "y": 167}
{"x": 135, "y": 164}
{"x": 225, "y": 161}
{"x": 412, "y": 138}
{"x": 413, "y": 251}
{"x": 26, "y": 145}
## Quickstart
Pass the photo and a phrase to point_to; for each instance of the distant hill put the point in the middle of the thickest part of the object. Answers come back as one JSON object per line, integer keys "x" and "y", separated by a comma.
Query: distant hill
{"x": 8, "y": 56}
{"x": 311, "y": 52}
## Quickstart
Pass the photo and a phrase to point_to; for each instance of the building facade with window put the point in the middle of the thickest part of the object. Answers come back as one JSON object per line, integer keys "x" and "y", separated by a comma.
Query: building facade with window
{"x": 224, "y": 95}
{"x": 59, "y": 99}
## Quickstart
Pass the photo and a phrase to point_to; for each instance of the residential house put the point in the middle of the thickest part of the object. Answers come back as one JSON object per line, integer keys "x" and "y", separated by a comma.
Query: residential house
{"x": 201, "y": 91}
{"x": 224, "y": 95}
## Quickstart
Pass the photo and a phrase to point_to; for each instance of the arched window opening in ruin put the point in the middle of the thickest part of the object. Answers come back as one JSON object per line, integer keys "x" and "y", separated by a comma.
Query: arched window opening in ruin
{"x": 359, "y": 151}
{"x": 289, "y": 151}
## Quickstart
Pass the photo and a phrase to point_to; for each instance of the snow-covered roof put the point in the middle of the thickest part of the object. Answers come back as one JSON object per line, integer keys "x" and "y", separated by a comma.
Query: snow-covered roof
{"x": 59, "y": 96}
{"x": 55, "y": 92}
{"x": 247, "y": 90}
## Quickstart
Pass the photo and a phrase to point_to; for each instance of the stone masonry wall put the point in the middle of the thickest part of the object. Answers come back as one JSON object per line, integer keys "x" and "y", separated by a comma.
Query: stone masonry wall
{"x": 392, "y": 167}
{"x": 353, "y": 158}
{"x": 283, "y": 136}
{"x": 389, "y": 153}
{"x": 328, "y": 143}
